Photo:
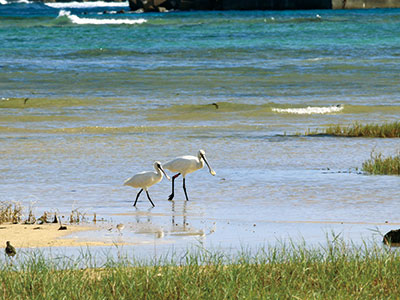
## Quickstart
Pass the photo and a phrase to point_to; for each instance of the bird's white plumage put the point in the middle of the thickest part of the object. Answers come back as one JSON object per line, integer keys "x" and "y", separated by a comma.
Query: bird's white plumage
{"x": 145, "y": 180}
{"x": 188, "y": 164}
{"x": 185, "y": 165}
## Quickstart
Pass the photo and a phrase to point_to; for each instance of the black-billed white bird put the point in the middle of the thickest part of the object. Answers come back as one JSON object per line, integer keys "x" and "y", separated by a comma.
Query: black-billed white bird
{"x": 144, "y": 180}
{"x": 185, "y": 165}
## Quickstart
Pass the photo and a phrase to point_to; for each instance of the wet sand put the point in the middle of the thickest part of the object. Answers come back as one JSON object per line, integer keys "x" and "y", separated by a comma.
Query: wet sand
{"x": 46, "y": 235}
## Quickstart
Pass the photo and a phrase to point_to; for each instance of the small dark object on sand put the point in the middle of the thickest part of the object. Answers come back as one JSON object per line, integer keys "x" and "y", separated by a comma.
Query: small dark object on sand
{"x": 392, "y": 238}
{"x": 216, "y": 105}
{"x": 10, "y": 250}
{"x": 62, "y": 227}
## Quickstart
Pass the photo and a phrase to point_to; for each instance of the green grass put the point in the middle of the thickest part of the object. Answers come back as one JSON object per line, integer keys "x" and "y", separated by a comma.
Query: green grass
{"x": 386, "y": 130}
{"x": 337, "y": 271}
{"x": 379, "y": 165}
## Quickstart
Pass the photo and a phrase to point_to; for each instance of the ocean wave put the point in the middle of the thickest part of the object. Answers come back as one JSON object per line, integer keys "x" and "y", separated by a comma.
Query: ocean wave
{"x": 310, "y": 110}
{"x": 87, "y": 4}
{"x": 5, "y": 2}
{"x": 91, "y": 21}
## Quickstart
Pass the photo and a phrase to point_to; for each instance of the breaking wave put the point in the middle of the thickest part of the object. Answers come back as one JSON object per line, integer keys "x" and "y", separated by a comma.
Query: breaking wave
{"x": 309, "y": 110}
{"x": 87, "y": 4}
{"x": 92, "y": 21}
{"x": 5, "y": 2}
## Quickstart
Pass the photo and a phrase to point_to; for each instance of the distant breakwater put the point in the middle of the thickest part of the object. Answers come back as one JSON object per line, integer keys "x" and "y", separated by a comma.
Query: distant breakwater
{"x": 165, "y": 5}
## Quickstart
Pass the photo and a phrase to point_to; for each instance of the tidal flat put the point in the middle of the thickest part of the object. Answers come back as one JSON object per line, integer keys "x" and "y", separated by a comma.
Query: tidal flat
{"x": 87, "y": 100}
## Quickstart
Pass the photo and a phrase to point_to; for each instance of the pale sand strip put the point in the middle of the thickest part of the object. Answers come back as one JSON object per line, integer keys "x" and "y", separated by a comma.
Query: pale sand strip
{"x": 46, "y": 235}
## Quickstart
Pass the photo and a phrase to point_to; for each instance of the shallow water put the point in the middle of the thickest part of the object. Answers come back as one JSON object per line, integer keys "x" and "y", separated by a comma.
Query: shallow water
{"x": 85, "y": 106}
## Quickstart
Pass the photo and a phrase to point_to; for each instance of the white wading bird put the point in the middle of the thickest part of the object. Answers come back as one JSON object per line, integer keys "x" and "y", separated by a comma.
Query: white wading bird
{"x": 185, "y": 165}
{"x": 144, "y": 180}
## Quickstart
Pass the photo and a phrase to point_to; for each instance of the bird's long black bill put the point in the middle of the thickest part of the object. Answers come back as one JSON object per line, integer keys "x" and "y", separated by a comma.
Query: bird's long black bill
{"x": 212, "y": 172}
{"x": 166, "y": 175}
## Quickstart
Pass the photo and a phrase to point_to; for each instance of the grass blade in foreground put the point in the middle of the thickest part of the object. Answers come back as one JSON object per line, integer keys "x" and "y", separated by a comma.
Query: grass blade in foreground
{"x": 335, "y": 272}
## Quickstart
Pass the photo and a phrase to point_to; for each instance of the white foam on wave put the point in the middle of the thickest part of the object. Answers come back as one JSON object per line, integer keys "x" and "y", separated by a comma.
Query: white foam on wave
{"x": 310, "y": 110}
{"x": 84, "y": 21}
{"x": 5, "y": 2}
{"x": 87, "y": 4}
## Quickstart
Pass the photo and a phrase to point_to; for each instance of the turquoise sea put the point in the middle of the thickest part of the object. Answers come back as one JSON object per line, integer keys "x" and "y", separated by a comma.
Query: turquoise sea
{"x": 87, "y": 99}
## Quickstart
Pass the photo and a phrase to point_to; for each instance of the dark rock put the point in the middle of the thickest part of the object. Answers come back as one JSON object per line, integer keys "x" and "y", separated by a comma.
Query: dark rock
{"x": 135, "y": 4}
{"x": 392, "y": 237}
{"x": 153, "y": 5}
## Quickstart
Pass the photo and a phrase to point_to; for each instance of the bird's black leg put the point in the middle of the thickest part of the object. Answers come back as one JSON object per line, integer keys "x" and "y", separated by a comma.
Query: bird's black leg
{"x": 173, "y": 180}
{"x": 137, "y": 197}
{"x": 148, "y": 196}
{"x": 184, "y": 189}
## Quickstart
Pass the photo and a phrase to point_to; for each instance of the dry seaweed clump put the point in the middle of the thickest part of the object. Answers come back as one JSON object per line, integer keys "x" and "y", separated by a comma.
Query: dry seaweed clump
{"x": 379, "y": 165}
{"x": 10, "y": 212}
{"x": 76, "y": 216}
{"x": 13, "y": 212}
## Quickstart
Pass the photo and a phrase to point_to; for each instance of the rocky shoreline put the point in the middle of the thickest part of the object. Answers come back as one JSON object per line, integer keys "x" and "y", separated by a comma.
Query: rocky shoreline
{"x": 185, "y": 5}
{"x": 165, "y": 5}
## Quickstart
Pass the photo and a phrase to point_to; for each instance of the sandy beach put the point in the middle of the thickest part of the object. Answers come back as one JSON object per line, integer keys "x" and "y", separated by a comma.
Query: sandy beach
{"x": 46, "y": 235}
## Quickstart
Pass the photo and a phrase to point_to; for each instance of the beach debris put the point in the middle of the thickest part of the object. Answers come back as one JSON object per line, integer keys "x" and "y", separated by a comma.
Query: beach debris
{"x": 42, "y": 219}
{"x": 212, "y": 230}
{"x": 10, "y": 212}
{"x": 392, "y": 238}
{"x": 120, "y": 227}
{"x": 31, "y": 218}
{"x": 62, "y": 227}
{"x": 160, "y": 233}
{"x": 10, "y": 250}
{"x": 76, "y": 216}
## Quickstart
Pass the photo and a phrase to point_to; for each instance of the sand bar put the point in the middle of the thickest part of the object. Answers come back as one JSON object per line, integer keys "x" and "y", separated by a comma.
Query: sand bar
{"x": 46, "y": 235}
